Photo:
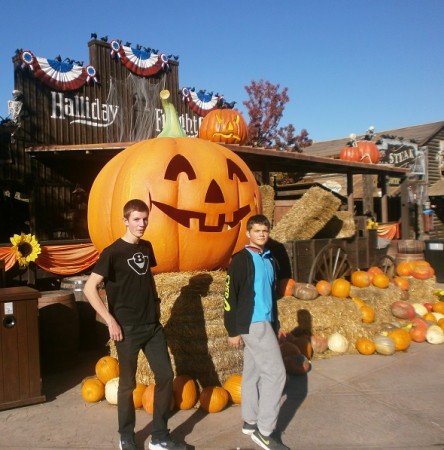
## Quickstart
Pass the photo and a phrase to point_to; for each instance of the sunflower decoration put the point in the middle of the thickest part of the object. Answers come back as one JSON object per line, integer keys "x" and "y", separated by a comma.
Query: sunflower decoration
{"x": 26, "y": 248}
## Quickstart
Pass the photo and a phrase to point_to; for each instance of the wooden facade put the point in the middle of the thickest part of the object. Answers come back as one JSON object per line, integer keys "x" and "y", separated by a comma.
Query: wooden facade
{"x": 47, "y": 198}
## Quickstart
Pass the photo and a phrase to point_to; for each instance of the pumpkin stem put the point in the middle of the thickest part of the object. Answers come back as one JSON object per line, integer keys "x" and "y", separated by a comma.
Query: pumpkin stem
{"x": 171, "y": 126}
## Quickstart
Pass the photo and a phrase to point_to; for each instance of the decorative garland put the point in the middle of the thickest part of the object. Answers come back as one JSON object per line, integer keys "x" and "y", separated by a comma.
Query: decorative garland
{"x": 201, "y": 102}
{"x": 140, "y": 61}
{"x": 58, "y": 74}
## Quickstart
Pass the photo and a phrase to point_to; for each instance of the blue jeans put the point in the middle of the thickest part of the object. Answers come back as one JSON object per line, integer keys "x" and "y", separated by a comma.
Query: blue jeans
{"x": 149, "y": 338}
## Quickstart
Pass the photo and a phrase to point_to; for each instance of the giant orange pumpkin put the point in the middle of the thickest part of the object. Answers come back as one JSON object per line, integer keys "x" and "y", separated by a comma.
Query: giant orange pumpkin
{"x": 224, "y": 125}
{"x": 200, "y": 196}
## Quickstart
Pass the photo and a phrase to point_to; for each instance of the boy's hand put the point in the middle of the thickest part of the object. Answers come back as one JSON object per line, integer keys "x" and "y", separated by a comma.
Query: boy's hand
{"x": 236, "y": 341}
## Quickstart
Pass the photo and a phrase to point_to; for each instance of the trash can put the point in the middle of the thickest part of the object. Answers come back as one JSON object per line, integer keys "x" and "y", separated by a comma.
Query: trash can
{"x": 20, "y": 379}
{"x": 434, "y": 254}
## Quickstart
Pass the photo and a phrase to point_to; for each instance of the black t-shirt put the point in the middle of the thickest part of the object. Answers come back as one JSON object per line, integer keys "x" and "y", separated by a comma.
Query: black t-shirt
{"x": 129, "y": 284}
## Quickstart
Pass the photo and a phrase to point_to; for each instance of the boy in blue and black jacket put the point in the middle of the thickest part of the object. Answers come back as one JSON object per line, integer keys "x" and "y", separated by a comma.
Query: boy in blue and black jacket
{"x": 251, "y": 319}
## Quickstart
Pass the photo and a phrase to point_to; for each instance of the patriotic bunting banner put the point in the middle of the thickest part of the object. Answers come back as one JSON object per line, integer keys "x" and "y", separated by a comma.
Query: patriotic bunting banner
{"x": 59, "y": 75}
{"x": 201, "y": 102}
{"x": 142, "y": 62}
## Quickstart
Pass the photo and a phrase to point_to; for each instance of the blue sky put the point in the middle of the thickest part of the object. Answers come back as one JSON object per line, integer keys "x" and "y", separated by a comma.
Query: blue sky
{"x": 348, "y": 64}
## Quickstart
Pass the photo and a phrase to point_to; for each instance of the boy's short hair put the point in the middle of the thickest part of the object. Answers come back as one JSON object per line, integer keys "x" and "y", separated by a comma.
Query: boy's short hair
{"x": 134, "y": 205}
{"x": 258, "y": 219}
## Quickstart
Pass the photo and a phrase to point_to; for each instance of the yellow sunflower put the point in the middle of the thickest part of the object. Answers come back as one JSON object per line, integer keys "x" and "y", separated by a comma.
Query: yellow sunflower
{"x": 26, "y": 248}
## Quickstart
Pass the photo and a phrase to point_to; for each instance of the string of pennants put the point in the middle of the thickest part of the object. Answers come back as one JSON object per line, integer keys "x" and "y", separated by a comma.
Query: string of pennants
{"x": 67, "y": 75}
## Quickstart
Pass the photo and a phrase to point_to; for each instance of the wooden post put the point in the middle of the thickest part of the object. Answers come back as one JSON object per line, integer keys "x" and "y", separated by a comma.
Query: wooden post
{"x": 384, "y": 198}
{"x": 350, "y": 199}
{"x": 405, "y": 216}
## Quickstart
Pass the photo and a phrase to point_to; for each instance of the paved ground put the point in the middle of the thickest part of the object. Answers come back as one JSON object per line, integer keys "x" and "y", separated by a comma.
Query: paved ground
{"x": 345, "y": 402}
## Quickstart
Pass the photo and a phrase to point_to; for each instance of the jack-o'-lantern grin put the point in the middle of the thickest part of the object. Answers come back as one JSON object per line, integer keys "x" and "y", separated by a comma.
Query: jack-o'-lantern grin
{"x": 200, "y": 220}
{"x": 228, "y": 136}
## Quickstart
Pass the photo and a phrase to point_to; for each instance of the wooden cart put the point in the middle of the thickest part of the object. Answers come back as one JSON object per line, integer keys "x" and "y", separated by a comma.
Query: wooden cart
{"x": 327, "y": 259}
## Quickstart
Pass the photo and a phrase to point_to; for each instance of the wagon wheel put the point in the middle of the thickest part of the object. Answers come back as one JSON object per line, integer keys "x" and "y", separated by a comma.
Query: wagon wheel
{"x": 330, "y": 263}
{"x": 387, "y": 264}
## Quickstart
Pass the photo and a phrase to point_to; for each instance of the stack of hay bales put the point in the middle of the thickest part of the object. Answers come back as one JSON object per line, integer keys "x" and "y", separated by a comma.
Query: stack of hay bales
{"x": 267, "y": 200}
{"x": 307, "y": 217}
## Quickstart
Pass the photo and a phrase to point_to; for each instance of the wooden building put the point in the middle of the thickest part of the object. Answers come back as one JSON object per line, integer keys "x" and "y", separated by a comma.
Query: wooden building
{"x": 68, "y": 119}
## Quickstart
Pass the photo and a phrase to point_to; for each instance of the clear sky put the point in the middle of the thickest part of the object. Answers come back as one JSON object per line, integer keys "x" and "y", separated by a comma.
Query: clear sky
{"x": 347, "y": 64}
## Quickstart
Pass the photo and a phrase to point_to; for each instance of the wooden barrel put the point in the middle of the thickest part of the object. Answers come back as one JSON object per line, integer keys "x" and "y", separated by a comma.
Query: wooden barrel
{"x": 410, "y": 246}
{"x": 58, "y": 330}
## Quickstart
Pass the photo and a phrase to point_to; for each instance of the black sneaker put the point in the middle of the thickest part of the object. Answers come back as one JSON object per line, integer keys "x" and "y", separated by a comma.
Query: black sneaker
{"x": 165, "y": 444}
{"x": 267, "y": 442}
{"x": 249, "y": 429}
{"x": 127, "y": 444}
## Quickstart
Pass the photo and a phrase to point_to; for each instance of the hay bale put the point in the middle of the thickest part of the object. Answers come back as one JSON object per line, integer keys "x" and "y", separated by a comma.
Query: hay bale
{"x": 267, "y": 198}
{"x": 307, "y": 216}
{"x": 341, "y": 225}
{"x": 192, "y": 315}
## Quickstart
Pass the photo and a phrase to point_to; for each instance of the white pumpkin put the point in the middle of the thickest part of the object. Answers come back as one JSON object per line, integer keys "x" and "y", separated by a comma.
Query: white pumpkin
{"x": 111, "y": 388}
{"x": 337, "y": 343}
{"x": 438, "y": 315}
{"x": 435, "y": 334}
{"x": 420, "y": 309}
{"x": 384, "y": 345}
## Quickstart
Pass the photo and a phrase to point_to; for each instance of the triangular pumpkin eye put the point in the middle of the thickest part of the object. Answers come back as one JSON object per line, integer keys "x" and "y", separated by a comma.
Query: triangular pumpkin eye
{"x": 234, "y": 169}
{"x": 179, "y": 164}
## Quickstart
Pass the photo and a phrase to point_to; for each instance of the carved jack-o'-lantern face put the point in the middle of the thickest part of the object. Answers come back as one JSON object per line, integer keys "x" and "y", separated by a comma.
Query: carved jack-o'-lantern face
{"x": 224, "y": 125}
{"x": 200, "y": 196}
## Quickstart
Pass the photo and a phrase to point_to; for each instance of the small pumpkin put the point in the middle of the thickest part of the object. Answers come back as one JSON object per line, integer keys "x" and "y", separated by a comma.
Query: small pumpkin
{"x": 405, "y": 268}
{"x": 148, "y": 399}
{"x": 137, "y": 395}
{"x": 374, "y": 270}
{"x": 420, "y": 309}
{"x": 402, "y": 339}
{"x": 365, "y": 346}
{"x": 107, "y": 368}
{"x": 233, "y": 385}
{"x": 323, "y": 287}
{"x": 337, "y": 343}
{"x": 403, "y": 310}
{"x": 418, "y": 333}
{"x": 360, "y": 278}
{"x": 305, "y": 291}
{"x": 402, "y": 283}
{"x": 340, "y": 288}
{"x": 93, "y": 390}
{"x": 438, "y": 307}
{"x": 422, "y": 270}
{"x": 213, "y": 399}
{"x": 381, "y": 281}
{"x": 384, "y": 345}
{"x": 286, "y": 287}
{"x": 185, "y": 392}
{"x": 224, "y": 125}
{"x": 358, "y": 301}
{"x": 367, "y": 314}
{"x": 435, "y": 334}
{"x": 111, "y": 389}
{"x": 319, "y": 343}
{"x": 430, "y": 317}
